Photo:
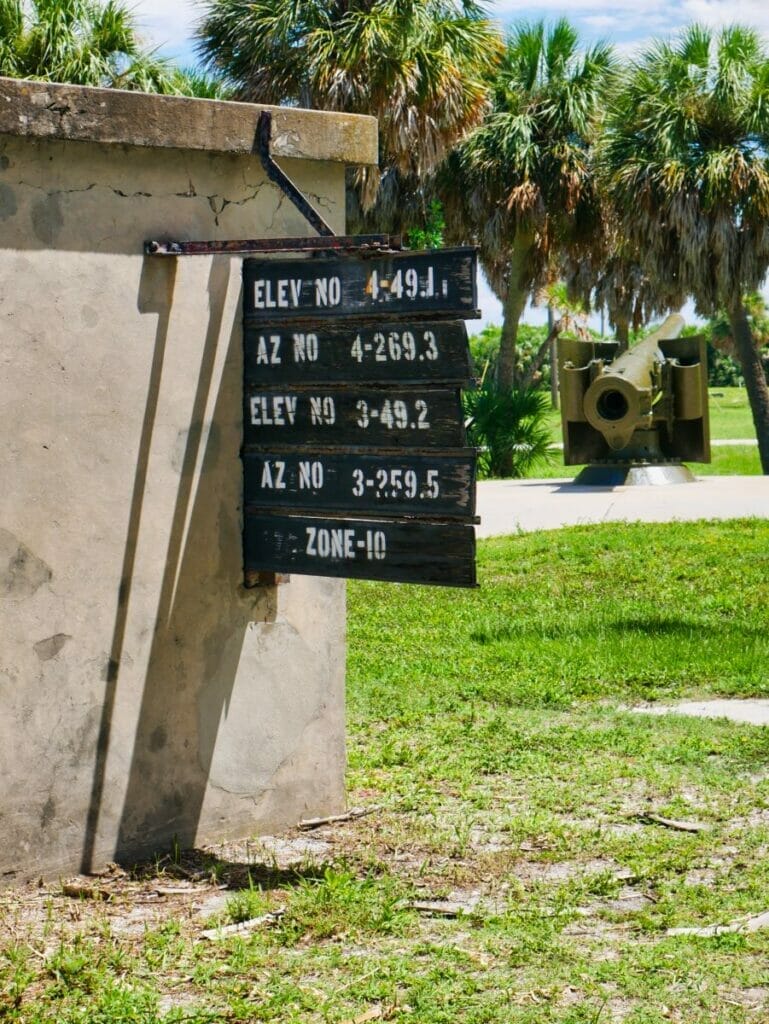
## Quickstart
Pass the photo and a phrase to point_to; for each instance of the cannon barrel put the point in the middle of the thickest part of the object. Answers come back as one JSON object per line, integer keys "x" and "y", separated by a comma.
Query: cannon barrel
{"x": 646, "y": 406}
{"x": 621, "y": 397}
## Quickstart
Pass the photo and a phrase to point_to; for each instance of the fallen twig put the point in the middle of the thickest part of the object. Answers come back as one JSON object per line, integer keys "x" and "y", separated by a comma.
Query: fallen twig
{"x": 84, "y": 891}
{"x": 752, "y": 924}
{"x": 186, "y": 890}
{"x": 375, "y": 1013}
{"x": 679, "y": 826}
{"x": 332, "y": 819}
{"x": 439, "y": 908}
{"x": 227, "y": 931}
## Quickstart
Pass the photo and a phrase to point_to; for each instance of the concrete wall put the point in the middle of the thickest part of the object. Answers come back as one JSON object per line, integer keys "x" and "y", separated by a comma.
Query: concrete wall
{"x": 144, "y": 693}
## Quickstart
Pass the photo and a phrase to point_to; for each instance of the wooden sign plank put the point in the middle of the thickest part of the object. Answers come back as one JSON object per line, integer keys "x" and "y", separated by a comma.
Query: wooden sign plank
{"x": 436, "y": 485}
{"x": 441, "y": 281}
{"x": 385, "y": 417}
{"x": 346, "y": 351}
{"x": 412, "y": 552}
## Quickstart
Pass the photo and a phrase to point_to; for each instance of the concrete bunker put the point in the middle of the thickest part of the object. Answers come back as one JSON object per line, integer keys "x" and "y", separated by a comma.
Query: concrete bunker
{"x": 147, "y": 697}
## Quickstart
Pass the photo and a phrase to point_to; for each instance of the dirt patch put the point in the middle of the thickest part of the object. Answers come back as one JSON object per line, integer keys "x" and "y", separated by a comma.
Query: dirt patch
{"x": 750, "y": 998}
{"x": 193, "y": 888}
{"x": 282, "y": 852}
{"x": 566, "y": 870}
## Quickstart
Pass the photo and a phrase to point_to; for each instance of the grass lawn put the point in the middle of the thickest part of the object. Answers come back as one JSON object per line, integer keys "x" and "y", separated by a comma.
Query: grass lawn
{"x": 738, "y": 460}
{"x": 511, "y": 873}
{"x": 730, "y": 415}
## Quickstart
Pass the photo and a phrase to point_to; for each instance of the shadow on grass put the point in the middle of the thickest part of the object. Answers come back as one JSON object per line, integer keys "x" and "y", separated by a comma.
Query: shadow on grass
{"x": 652, "y": 626}
{"x": 204, "y": 866}
{"x": 656, "y": 625}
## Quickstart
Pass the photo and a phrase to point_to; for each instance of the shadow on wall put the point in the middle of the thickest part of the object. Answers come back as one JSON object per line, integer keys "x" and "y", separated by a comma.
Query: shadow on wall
{"x": 203, "y": 611}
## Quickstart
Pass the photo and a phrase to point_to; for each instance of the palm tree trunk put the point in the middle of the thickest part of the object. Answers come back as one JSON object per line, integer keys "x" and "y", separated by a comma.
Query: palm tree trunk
{"x": 539, "y": 356}
{"x": 755, "y": 379}
{"x": 512, "y": 310}
{"x": 623, "y": 334}
{"x": 553, "y": 358}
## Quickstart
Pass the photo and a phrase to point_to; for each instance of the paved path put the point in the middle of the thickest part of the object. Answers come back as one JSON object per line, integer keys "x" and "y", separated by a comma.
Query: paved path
{"x": 718, "y": 442}
{"x": 733, "y": 442}
{"x": 508, "y": 506}
{"x": 750, "y": 712}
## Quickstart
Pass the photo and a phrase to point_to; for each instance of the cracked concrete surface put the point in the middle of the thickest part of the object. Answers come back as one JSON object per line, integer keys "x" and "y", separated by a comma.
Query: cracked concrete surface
{"x": 207, "y": 194}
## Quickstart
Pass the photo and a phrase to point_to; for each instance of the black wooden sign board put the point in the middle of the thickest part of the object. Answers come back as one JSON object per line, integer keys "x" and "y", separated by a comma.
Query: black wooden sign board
{"x": 384, "y": 417}
{"x": 439, "y": 282}
{"x": 352, "y": 407}
{"x": 436, "y": 484}
{"x": 348, "y": 351}
{"x": 413, "y": 552}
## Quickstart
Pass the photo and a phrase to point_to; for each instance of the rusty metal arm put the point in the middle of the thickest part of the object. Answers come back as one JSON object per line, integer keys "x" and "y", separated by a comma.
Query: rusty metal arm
{"x": 282, "y": 180}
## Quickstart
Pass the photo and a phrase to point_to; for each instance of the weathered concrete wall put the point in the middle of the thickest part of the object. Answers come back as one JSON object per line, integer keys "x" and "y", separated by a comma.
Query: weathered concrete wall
{"x": 144, "y": 693}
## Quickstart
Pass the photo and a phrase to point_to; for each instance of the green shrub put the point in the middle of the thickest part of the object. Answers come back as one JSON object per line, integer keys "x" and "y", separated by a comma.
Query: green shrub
{"x": 509, "y": 428}
{"x": 723, "y": 371}
{"x": 429, "y": 234}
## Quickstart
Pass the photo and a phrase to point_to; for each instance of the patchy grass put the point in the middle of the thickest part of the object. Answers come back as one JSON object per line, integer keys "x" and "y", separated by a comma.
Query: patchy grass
{"x": 493, "y": 730}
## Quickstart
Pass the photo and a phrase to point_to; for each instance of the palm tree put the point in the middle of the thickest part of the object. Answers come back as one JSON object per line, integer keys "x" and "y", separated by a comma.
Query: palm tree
{"x": 78, "y": 41}
{"x": 419, "y": 66}
{"x": 521, "y": 185}
{"x": 685, "y": 163}
{"x": 621, "y": 286}
{"x": 758, "y": 318}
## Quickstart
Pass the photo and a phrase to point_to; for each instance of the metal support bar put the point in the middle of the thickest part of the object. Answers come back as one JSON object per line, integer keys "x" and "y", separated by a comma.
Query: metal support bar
{"x": 359, "y": 244}
{"x": 282, "y": 180}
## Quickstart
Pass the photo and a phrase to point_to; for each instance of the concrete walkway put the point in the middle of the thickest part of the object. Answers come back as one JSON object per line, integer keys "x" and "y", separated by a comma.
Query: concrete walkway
{"x": 510, "y": 506}
{"x": 749, "y": 712}
{"x": 722, "y": 442}
{"x": 733, "y": 442}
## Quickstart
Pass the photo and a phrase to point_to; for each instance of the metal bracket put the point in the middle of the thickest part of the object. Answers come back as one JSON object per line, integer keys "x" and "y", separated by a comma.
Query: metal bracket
{"x": 326, "y": 241}
{"x": 282, "y": 180}
{"x": 254, "y": 578}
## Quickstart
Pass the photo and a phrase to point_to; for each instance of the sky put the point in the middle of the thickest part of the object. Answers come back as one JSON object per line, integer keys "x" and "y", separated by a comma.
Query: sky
{"x": 628, "y": 24}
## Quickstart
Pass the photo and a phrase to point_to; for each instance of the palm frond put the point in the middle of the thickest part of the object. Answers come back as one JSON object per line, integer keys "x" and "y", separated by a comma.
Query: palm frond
{"x": 420, "y": 66}
{"x": 509, "y": 427}
{"x": 684, "y": 159}
{"x": 528, "y": 168}
{"x": 80, "y": 41}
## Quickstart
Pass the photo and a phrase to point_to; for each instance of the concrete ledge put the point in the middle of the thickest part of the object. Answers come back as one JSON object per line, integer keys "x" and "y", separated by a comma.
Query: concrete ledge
{"x": 113, "y": 116}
